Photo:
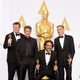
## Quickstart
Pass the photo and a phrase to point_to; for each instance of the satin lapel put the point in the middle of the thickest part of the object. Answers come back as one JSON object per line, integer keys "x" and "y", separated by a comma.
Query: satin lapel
{"x": 43, "y": 56}
{"x": 13, "y": 37}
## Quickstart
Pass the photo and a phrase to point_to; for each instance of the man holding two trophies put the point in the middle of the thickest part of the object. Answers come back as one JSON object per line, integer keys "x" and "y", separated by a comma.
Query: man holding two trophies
{"x": 64, "y": 46}
{"x": 46, "y": 64}
{"x": 10, "y": 43}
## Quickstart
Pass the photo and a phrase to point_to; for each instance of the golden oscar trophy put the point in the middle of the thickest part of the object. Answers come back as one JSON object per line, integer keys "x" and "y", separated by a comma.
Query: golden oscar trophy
{"x": 69, "y": 60}
{"x": 9, "y": 40}
{"x": 44, "y": 28}
{"x": 37, "y": 62}
{"x": 36, "y": 70}
{"x": 56, "y": 69}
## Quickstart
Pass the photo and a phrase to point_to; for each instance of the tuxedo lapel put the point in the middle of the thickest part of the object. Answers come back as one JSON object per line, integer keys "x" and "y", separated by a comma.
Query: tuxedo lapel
{"x": 13, "y": 37}
{"x": 58, "y": 42}
{"x": 64, "y": 42}
{"x": 43, "y": 56}
{"x": 51, "y": 57}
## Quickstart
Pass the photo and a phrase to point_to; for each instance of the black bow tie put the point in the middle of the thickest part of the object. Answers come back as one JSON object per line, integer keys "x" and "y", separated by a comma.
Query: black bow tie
{"x": 17, "y": 34}
{"x": 60, "y": 36}
{"x": 47, "y": 53}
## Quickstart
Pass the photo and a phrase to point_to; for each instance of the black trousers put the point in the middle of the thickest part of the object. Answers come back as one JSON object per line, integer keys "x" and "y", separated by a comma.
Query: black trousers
{"x": 68, "y": 69}
{"x": 23, "y": 68}
{"x": 49, "y": 73}
{"x": 12, "y": 68}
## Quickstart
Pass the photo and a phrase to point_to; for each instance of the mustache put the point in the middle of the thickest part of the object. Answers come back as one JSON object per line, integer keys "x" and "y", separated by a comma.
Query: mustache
{"x": 49, "y": 49}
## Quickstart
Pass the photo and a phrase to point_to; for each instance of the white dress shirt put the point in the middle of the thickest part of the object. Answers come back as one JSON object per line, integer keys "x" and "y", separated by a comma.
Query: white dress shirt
{"x": 17, "y": 37}
{"x": 61, "y": 40}
{"x": 47, "y": 57}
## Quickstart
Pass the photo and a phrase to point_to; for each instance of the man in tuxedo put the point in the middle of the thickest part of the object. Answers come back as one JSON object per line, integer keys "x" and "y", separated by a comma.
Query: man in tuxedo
{"x": 26, "y": 54}
{"x": 64, "y": 46}
{"x": 45, "y": 62}
{"x": 10, "y": 43}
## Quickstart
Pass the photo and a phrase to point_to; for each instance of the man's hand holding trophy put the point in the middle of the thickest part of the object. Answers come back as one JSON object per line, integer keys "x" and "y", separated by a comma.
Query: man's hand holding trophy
{"x": 55, "y": 66}
{"x": 56, "y": 70}
{"x": 37, "y": 68}
{"x": 69, "y": 60}
{"x": 37, "y": 65}
{"x": 9, "y": 40}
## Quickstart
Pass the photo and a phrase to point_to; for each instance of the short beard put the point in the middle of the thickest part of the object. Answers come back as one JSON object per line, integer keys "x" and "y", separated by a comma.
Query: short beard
{"x": 48, "y": 50}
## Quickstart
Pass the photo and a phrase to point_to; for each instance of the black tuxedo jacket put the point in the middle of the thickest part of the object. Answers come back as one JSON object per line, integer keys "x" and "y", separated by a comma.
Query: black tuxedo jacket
{"x": 68, "y": 48}
{"x": 11, "y": 53}
{"x": 42, "y": 62}
{"x": 22, "y": 57}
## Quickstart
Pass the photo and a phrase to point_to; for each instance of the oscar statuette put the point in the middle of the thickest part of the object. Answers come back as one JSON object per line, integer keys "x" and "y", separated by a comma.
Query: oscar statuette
{"x": 69, "y": 60}
{"x": 9, "y": 40}
{"x": 56, "y": 69}
{"x": 37, "y": 61}
{"x": 36, "y": 70}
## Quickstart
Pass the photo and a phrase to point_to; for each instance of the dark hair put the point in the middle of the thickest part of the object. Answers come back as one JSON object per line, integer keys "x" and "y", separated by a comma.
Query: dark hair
{"x": 47, "y": 42}
{"x": 60, "y": 26}
{"x": 29, "y": 27}
{"x": 17, "y": 23}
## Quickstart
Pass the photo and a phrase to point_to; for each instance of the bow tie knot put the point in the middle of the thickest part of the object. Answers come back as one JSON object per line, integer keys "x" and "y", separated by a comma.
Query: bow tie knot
{"x": 47, "y": 53}
{"x": 60, "y": 36}
{"x": 17, "y": 34}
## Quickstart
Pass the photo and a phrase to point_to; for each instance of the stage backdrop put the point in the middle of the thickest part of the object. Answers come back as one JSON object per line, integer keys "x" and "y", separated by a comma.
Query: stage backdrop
{"x": 64, "y": 12}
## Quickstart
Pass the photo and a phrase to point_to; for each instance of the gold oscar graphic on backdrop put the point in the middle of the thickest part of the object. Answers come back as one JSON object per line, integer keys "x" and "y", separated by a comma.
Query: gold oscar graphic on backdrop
{"x": 43, "y": 7}
{"x": 22, "y": 21}
{"x": 44, "y": 28}
{"x": 65, "y": 24}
